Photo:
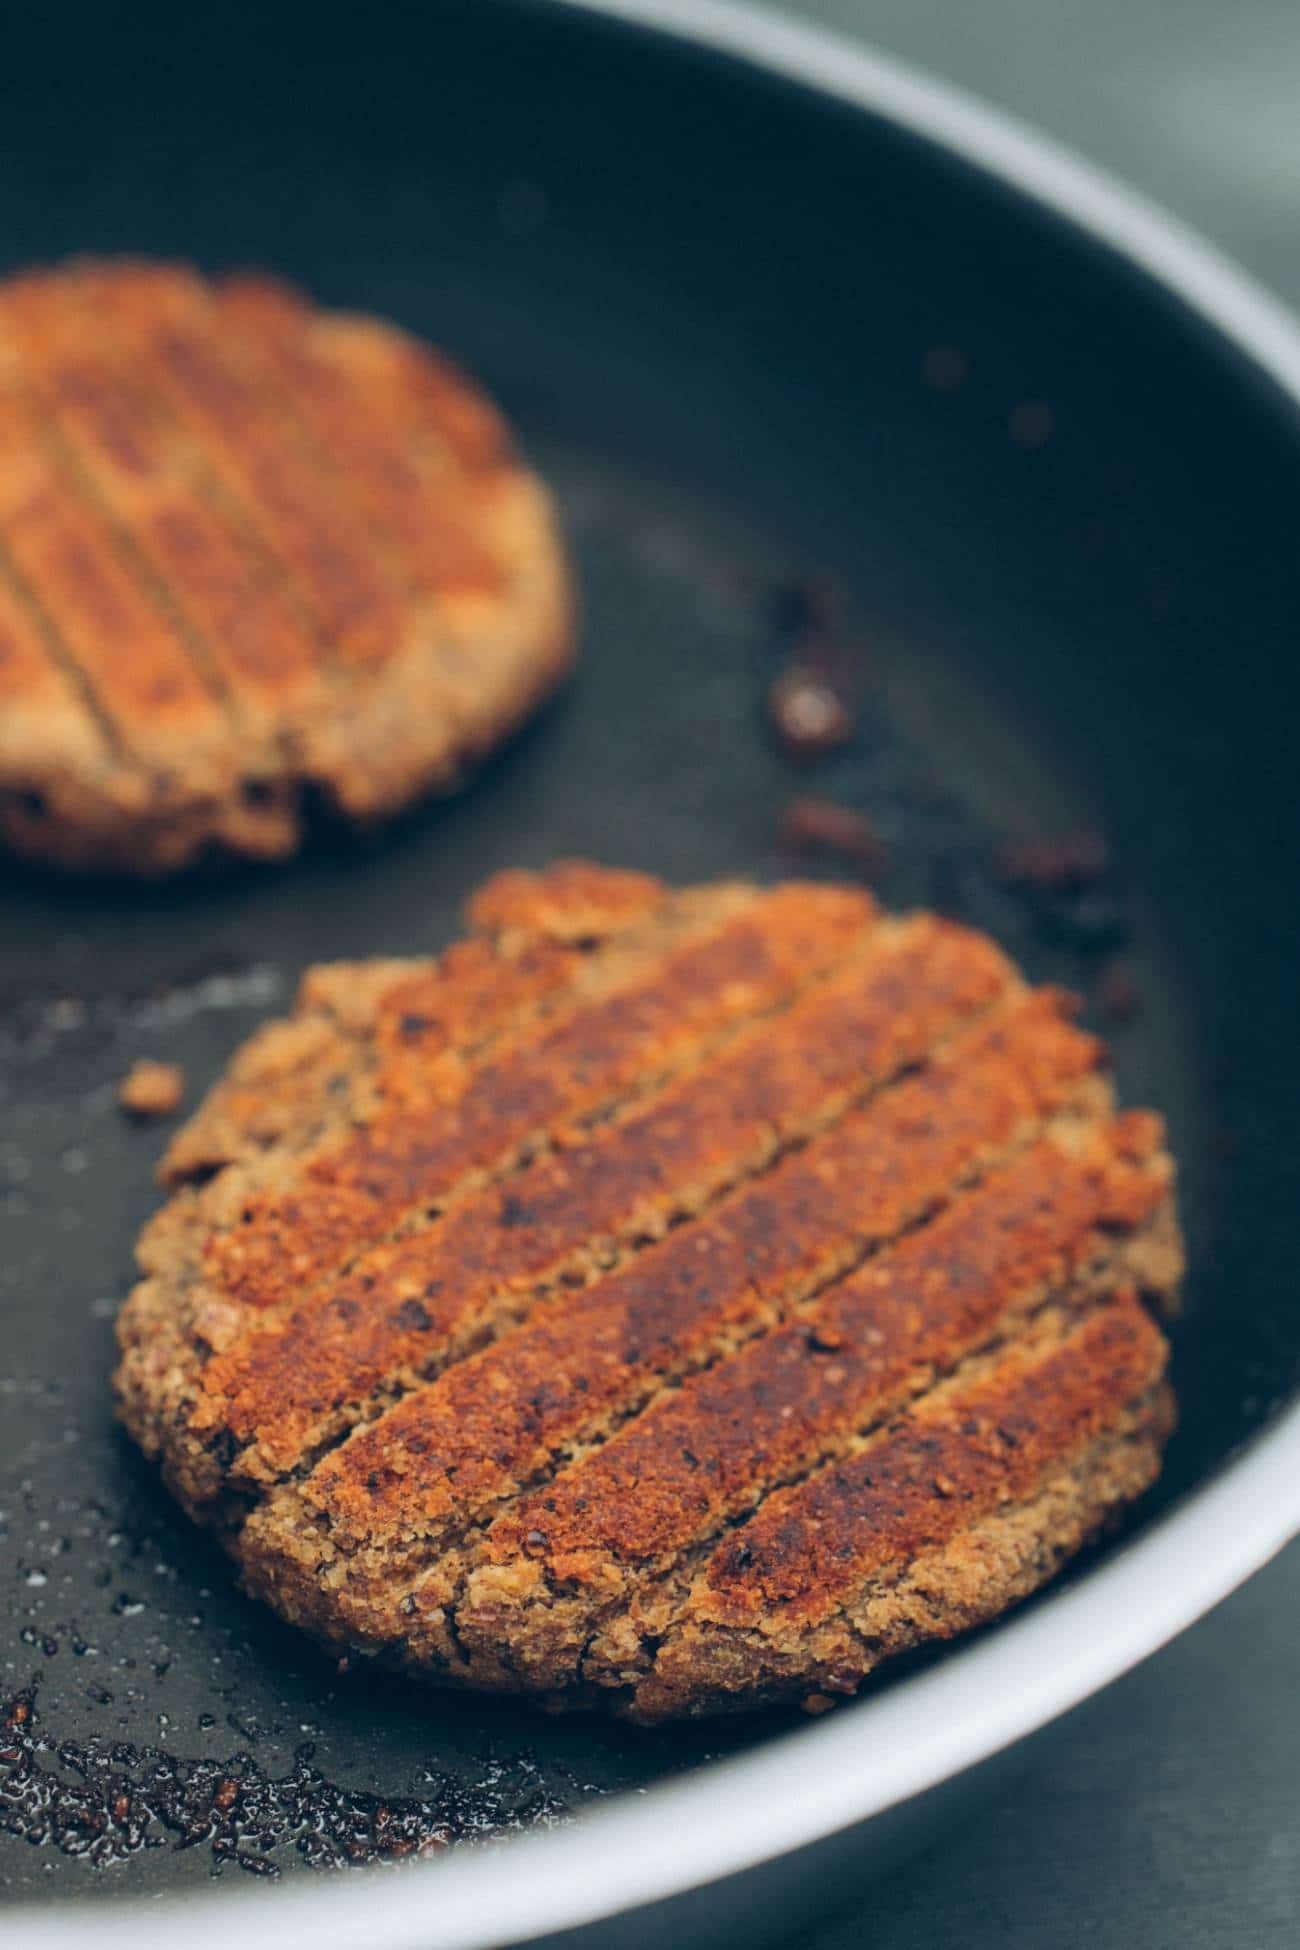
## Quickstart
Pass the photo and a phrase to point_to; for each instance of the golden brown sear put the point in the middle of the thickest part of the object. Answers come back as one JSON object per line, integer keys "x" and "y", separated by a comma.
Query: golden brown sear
{"x": 253, "y": 556}
{"x": 671, "y": 1299}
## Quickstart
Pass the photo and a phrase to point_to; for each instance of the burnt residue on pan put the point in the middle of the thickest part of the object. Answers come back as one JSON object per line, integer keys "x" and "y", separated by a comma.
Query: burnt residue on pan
{"x": 105, "y": 1800}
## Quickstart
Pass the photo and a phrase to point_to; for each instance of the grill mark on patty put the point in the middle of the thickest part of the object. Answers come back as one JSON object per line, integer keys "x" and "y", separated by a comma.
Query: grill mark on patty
{"x": 382, "y": 1035}
{"x": 448, "y": 1453}
{"x": 175, "y": 1315}
{"x": 380, "y": 470}
{"x": 245, "y": 647}
{"x": 215, "y": 561}
{"x": 160, "y": 327}
{"x": 426, "y": 1010}
{"x": 971, "y": 1443}
{"x": 640, "y": 1496}
{"x": 980, "y": 1439}
{"x": 420, "y": 518}
{"x": 426, "y": 393}
{"x": 464, "y": 426}
{"x": 412, "y": 1303}
{"x": 365, "y": 1035}
{"x": 37, "y": 656}
{"x": 627, "y": 1525}
{"x": 45, "y": 689}
{"x": 47, "y": 723}
{"x": 282, "y": 1086}
{"x": 521, "y": 1609}
{"x": 129, "y": 660}
{"x": 989, "y": 1260}
{"x": 834, "y": 1550}
{"x": 213, "y": 579}
{"x": 546, "y": 943}
{"x": 383, "y": 1506}
{"x": 622, "y": 1043}
{"x": 438, "y": 532}
{"x": 435, "y": 1033}
{"x": 457, "y": 553}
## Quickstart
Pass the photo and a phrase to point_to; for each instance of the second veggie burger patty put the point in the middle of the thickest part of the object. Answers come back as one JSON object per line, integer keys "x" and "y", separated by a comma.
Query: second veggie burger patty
{"x": 253, "y": 557}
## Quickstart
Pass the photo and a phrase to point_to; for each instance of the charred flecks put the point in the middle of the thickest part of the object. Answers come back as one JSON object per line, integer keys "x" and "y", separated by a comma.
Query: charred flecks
{"x": 1069, "y": 863}
{"x": 1070, "y": 885}
{"x": 821, "y": 705}
{"x": 813, "y": 826}
{"x": 413, "y": 1317}
{"x": 809, "y": 714}
{"x": 1118, "y": 995}
{"x": 108, "y": 1800}
{"x": 877, "y": 812}
{"x": 810, "y": 701}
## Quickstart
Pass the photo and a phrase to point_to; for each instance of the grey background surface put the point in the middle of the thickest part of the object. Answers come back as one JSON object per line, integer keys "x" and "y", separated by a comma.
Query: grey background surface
{"x": 1196, "y": 102}
{"x": 1166, "y": 1812}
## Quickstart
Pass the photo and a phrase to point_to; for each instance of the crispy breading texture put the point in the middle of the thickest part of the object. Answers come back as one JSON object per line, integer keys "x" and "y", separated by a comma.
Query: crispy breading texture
{"x": 628, "y": 1305}
{"x": 252, "y": 556}
{"x": 899, "y": 1543}
{"x": 703, "y": 1288}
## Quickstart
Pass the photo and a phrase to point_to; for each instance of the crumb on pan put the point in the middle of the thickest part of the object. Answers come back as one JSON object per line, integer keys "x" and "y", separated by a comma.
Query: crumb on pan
{"x": 152, "y": 1089}
{"x": 808, "y": 712}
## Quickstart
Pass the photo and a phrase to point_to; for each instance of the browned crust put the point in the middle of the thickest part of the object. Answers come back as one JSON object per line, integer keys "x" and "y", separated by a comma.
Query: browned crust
{"x": 587, "y": 1574}
{"x": 435, "y": 1124}
{"x": 404, "y": 1307}
{"x": 493, "y": 1421}
{"x": 715, "y": 1183}
{"x": 637, "y": 1008}
{"x": 904, "y": 1493}
{"x": 897, "y": 1545}
{"x": 534, "y": 936}
{"x": 271, "y": 552}
{"x": 53, "y": 746}
{"x": 299, "y": 1084}
{"x": 976, "y": 1270}
{"x": 571, "y": 899}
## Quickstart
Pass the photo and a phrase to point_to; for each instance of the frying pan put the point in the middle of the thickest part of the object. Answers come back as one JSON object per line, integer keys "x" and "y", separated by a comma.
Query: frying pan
{"x": 765, "y": 309}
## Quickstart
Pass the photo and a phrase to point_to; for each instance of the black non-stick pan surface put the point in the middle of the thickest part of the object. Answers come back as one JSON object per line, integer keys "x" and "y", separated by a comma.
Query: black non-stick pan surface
{"x": 760, "y": 344}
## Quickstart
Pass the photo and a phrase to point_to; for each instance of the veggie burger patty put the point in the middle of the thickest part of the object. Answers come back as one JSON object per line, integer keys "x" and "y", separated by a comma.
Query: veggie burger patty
{"x": 672, "y": 1299}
